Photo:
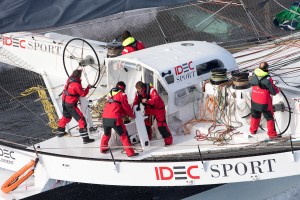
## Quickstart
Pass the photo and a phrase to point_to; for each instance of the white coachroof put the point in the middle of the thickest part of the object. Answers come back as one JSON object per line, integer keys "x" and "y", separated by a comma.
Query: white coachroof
{"x": 164, "y": 57}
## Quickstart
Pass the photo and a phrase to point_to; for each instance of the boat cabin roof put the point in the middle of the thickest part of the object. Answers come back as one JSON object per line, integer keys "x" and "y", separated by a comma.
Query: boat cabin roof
{"x": 163, "y": 56}
{"x": 179, "y": 62}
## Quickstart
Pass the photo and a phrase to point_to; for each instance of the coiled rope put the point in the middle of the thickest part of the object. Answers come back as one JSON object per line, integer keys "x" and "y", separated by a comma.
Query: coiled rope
{"x": 216, "y": 109}
{"x": 47, "y": 105}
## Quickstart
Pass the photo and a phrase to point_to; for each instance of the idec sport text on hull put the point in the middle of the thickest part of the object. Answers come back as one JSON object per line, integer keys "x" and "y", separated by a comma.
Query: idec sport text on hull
{"x": 165, "y": 173}
{"x": 184, "y": 72}
{"x": 6, "y": 156}
{"x": 241, "y": 168}
{"x": 32, "y": 45}
{"x": 177, "y": 172}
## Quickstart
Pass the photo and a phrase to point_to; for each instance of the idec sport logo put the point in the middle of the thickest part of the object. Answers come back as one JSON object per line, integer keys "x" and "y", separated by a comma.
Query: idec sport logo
{"x": 184, "y": 71}
{"x": 6, "y": 156}
{"x": 31, "y": 45}
{"x": 15, "y": 42}
{"x": 249, "y": 168}
{"x": 177, "y": 173}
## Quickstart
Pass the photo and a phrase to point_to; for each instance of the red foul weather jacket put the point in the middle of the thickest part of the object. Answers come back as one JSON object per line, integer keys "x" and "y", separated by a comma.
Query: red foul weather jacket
{"x": 262, "y": 89}
{"x": 131, "y": 45}
{"x": 73, "y": 90}
{"x": 117, "y": 106}
{"x": 155, "y": 105}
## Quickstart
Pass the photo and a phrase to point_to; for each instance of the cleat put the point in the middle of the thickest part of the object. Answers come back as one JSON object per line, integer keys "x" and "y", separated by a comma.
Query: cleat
{"x": 60, "y": 134}
{"x": 87, "y": 140}
{"x": 104, "y": 151}
{"x": 136, "y": 154}
{"x": 253, "y": 133}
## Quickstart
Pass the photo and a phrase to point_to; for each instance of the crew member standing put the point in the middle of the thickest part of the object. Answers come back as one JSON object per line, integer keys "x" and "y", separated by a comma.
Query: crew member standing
{"x": 115, "y": 108}
{"x": 154, "y": 107}
{"x": 70, "y": 97}
{"x": 261, "y": 100}
{"x": 130, "y": 44}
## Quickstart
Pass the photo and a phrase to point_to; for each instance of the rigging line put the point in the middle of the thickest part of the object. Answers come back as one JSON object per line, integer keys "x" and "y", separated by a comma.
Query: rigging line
{"x": 165, "y": 37}
{"x": 73, "y": 57}
{"x": 17, "y": 144}
{"x": 269, "y": 55}
{"x": 229, "y": 146}
{"x": 263, "y": 57}
{"x": 261, "y": 27}
{"x": 119, "y": 17}
{"x": 115, "y": 17}
{"x": 286, "y": 8}
{"x": 223, "y": 17}
{"x": 288, "y": 74}
{"x": 216, "y": 2}
{"x": 282, "y": 65}
{"x": 208, "y": 25}
{"x": 249, "y": 44}
{"x": 278, "y": 59}
{"x": 289, "y": 68}
{"x": 229, "y": 3}
{"x": 85, "y": 75}
{"x": 24, "y": 105}
{"x": 102, "y": 74}
{"x": 82, "y": 49}
{"x": 285, "y": 81}
{"x": 22, "y": 136}
{"x": 250, "y": 19}
{"x": 238, "y": 23}
{"x": 284, "y": 61}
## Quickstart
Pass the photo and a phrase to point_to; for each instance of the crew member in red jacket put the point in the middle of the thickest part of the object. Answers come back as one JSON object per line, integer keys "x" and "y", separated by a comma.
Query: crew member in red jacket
{"x": 261, "y": 100}
{"x": 70, "y": 97}
{"x": 130, "y": 44}
{"x": 115, "y": 108}
{"x": 154, "y": 106}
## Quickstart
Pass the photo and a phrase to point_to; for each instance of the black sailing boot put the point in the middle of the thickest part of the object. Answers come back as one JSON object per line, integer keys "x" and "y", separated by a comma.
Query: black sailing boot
{"x": 85, "y": 136}
{"x": 60, "y": 132}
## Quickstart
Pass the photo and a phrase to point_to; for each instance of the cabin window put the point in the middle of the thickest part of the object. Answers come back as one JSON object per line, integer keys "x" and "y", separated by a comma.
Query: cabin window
{"x": 148, "y": 76}
{"x": 169, "y": 79}
{"x": 162, "y": 92}
{"x": 206, "y": 67}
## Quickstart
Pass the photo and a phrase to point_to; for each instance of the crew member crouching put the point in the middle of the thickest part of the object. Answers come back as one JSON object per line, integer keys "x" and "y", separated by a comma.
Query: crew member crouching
{"x": 154, "y": 107}
{"x": 115, "y": 108}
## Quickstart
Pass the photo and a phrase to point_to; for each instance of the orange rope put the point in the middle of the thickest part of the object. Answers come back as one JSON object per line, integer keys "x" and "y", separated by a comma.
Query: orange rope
{"x": 13, "y": 182}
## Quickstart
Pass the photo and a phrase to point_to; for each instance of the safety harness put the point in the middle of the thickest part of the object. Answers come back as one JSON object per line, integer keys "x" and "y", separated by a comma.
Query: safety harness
{"x": 71, "y": 80}
{"x": 111, "y": 100}
{"x": 147, "y": 85}
{"x": 259, "y": 82}
{"x": 134, "y": 45}
{"x": 261, "y": 73}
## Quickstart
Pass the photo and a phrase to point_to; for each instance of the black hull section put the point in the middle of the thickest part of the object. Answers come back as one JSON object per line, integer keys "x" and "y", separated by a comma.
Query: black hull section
{"x": 79, "y": 191}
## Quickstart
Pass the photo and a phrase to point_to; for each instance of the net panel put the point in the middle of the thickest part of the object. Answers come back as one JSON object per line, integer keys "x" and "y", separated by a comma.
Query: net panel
{"x": 22, "y": 119}
{"x": 228, "y": 23}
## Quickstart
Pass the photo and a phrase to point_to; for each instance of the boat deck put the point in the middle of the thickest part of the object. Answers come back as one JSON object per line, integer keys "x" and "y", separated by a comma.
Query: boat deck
{"x": 185, "y": 147}
{"x": 35, "y": 131}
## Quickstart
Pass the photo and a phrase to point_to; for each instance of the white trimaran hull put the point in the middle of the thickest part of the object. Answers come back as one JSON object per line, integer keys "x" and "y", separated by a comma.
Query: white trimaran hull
{"x": 65, "y": 158}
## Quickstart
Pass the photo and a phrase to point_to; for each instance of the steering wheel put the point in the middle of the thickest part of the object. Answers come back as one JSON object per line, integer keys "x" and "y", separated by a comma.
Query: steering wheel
{"x": 79, "y": 54}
